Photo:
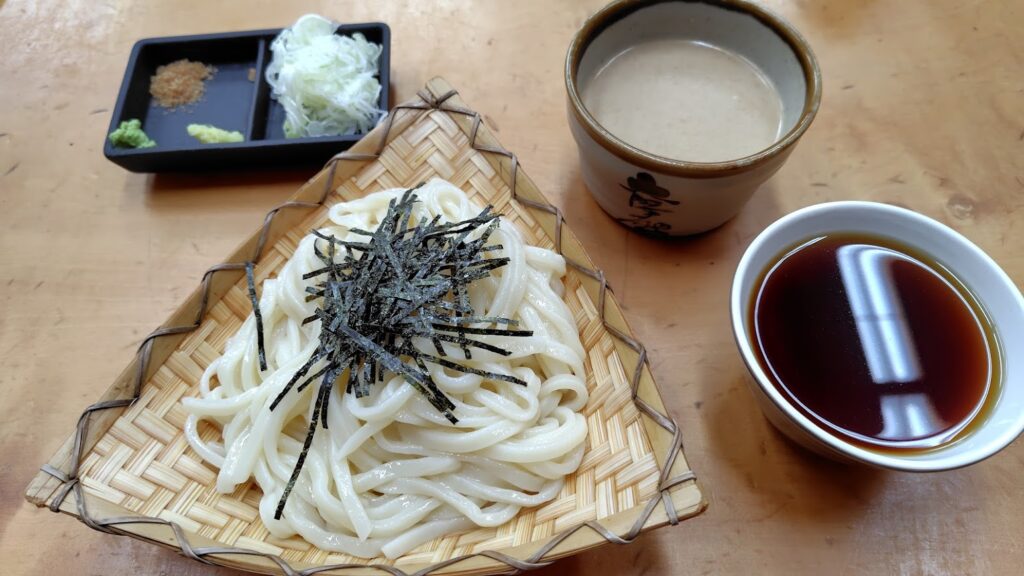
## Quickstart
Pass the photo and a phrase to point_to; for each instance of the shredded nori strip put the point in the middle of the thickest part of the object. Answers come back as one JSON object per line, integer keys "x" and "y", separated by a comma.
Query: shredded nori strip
{"x": 408, "y": 280}
{"x": 250, "y": 277}
{"x": 320, "y": 398}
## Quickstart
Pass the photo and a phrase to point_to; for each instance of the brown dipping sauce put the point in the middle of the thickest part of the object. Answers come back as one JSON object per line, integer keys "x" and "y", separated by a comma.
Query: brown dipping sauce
{"x": 874, "y": 341}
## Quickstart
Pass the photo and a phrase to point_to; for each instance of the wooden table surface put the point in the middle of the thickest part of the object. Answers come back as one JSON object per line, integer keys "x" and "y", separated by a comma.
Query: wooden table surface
{"x": 923, "y": 106}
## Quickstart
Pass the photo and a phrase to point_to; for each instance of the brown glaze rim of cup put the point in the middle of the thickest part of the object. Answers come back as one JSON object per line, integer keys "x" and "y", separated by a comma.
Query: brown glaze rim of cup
{"x": 618, "y": 10}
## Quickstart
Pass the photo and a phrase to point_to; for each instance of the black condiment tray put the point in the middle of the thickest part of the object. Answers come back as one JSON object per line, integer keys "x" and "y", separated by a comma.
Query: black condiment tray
{"x": 231, "y": 101}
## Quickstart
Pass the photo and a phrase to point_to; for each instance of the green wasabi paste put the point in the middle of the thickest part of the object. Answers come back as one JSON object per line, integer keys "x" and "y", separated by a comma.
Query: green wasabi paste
{"x": 130, "y": 135}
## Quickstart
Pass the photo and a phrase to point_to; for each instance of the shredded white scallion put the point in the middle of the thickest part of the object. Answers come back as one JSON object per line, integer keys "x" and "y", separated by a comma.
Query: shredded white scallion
{"x": 327, "y": 83}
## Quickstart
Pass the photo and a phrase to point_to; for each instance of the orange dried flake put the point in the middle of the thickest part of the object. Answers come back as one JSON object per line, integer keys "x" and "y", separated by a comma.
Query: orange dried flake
{"x": 179, "y": 83}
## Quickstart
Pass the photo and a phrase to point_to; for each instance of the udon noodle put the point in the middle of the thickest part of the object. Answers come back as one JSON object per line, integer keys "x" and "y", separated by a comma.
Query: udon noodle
{"x": 390, "y": 472}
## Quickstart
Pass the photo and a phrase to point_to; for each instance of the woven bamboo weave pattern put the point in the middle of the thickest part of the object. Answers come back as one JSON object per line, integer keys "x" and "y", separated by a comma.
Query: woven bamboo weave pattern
{"x": 144, "y": 464}
{"x": 124, "y": 470}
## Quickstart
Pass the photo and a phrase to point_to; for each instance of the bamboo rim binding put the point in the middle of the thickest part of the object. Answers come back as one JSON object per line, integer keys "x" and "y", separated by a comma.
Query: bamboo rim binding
{"x": 425, "y": 103}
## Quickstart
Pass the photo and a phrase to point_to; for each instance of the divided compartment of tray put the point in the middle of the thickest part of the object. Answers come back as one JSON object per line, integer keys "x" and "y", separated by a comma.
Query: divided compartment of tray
{"x": 231, "y": 101}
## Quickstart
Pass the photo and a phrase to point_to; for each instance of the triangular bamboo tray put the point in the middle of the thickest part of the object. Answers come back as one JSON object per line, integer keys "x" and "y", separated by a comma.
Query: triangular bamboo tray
{"x": 127, "y": 469}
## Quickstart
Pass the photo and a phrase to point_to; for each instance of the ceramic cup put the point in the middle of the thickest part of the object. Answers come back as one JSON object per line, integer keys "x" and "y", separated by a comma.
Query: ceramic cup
{"x": 1000, "y": 424}
{"x": 673, "y": 197}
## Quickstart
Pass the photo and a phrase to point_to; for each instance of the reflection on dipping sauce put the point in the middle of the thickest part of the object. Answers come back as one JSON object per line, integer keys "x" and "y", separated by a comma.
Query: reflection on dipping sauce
{"x": 873, "y": 341}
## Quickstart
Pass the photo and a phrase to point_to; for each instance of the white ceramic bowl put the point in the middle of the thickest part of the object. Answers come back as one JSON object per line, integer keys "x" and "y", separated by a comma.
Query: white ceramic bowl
{"x": 993, "y": 289}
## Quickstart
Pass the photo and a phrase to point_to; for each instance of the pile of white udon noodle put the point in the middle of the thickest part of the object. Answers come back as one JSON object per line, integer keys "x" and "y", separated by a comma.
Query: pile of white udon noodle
{"x": 390, "y": 472}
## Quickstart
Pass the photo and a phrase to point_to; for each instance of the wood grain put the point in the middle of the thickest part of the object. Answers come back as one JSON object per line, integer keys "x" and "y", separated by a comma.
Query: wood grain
{"x": 923, "y": 106}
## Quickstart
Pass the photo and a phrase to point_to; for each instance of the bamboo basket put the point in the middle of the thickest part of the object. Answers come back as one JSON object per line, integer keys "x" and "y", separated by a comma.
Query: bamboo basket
{"x": 128, "y": 470}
